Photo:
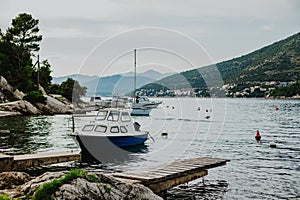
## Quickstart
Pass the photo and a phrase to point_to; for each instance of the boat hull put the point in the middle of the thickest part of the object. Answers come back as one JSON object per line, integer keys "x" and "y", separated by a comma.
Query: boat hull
{"x": 140, "y": 111}
{"x": 105, "y": 148}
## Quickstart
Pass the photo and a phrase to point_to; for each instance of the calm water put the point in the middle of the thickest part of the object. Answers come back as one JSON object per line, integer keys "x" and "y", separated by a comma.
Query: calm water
{"x": 255, "y": 171}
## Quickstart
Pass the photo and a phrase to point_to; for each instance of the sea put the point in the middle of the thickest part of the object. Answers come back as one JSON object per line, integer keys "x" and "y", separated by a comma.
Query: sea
{"x": 183, "y": 128}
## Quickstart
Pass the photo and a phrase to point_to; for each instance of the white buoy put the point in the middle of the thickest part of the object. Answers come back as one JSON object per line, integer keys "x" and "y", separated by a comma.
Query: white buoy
{"x": 273, "y": 145}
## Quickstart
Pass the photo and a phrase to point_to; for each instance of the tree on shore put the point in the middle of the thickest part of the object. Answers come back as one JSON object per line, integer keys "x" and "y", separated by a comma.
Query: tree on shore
{"x": 288, "y": 91}
{"x": 17, "y": 45}
{"x": 71, "y": 89}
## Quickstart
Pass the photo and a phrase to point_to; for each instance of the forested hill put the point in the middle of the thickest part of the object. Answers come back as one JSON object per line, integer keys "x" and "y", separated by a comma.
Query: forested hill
{"x": 277, "y": 62}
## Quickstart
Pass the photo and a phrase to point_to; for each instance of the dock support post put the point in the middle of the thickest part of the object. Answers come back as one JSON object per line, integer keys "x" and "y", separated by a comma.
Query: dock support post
{"x": 6, "y": 162}
{"x": 163, "y": 194}
{"x": 73, "y": 124}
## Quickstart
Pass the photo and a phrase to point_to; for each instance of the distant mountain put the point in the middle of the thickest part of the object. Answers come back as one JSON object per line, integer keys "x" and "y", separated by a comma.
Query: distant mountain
{"x": 150, "y": 74}
{"x": 112, "y": 85}
{"x": 277, "y": 62}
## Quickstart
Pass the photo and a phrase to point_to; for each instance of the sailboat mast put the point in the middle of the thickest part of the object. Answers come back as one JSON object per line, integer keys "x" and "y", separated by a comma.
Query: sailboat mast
{"x": 134, "y": 72}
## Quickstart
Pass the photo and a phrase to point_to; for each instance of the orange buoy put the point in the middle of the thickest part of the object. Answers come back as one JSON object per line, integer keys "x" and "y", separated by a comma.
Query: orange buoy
{"x": 257, "y": 136}
{"x": 276, "y": 108}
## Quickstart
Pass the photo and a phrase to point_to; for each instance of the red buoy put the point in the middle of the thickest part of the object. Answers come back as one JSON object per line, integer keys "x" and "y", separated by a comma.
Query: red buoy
{"x": 257, "y": 136}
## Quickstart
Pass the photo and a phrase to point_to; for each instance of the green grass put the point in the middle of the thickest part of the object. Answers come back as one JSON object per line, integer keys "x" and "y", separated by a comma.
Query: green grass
{"x": 107, "y": 188}
{"x": 4, "y": 197}
{"x": 46, "y": 191}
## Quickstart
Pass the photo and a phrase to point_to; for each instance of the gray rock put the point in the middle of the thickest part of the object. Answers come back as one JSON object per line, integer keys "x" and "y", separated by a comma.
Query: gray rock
{"x": 30, "y": 187}
{"x": 54, "y": 106}
{"x": 4, "y": 85}
{"x": 42, "y": 90}
{"x": 108, "y": 188}
{"x": 9, "y": 180}
{"x": 80, "y": 188}
{"x": 21, "y": 107}
{"x": 18, "y": 94}
{"x": 8, "y": 113}
{"x": 8, "y": 91}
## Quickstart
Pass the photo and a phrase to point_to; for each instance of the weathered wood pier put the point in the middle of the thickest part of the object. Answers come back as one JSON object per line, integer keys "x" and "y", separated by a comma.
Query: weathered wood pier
{"x": 158, "y": 179}
{"x": 164, "y": 177}
{"x": 10, "y": 163}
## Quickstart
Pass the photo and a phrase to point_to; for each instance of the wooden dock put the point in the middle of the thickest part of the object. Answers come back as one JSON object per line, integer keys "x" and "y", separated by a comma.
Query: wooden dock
{"x": 164, "y": 177}
{"x": 10, "y": 163}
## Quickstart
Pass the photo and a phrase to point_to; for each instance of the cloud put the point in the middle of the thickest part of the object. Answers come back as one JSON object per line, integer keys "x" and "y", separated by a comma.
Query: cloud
{"x": 229, "y": 28}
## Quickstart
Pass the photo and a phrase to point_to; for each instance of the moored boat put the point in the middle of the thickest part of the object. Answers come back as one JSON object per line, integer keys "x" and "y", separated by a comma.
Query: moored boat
{"x": 112, "y": 131}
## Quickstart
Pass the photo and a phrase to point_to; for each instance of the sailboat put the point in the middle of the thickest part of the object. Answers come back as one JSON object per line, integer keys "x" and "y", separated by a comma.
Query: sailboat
{"x": 138, "y": 109}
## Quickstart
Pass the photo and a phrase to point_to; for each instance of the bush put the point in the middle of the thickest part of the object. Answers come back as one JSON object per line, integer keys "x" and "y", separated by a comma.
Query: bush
{"x": 46, "y": 191}
{"x": 35, "y": 97}
{"x": 4, "y": 197}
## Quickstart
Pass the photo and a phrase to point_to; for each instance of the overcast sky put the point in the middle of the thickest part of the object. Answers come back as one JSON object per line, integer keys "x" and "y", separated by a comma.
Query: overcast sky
{"x": 97, "y": 37}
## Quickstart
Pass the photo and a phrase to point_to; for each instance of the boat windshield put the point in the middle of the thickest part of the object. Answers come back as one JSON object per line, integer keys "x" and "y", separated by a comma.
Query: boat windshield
{"x": 145, "y": 99}
{"x": 113, "y": 116}
{"x": 125, "y": 117}
{"x": 101, "y": 115}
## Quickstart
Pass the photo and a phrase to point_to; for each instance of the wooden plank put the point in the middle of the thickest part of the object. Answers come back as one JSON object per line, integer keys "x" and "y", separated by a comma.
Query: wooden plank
{"x": 37, "y": 160}
{"x": 167, "y": 184}
{"x": 205, "y": 162}
{"x": 140, "y": 177}
{"x": 168, "y": 175}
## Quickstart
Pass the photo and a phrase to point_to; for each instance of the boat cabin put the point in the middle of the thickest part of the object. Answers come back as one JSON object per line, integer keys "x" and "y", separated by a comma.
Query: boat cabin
{"x": 111, "y": 121}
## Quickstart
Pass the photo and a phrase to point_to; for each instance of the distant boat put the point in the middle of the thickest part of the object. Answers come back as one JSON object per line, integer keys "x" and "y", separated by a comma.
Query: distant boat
{"x": 95, "y": 100}
{"x": 143, "y": 101}
{"x": 137, "y": 110}
{"x": 112, "y": 128}
{"x": 140, "y": 106}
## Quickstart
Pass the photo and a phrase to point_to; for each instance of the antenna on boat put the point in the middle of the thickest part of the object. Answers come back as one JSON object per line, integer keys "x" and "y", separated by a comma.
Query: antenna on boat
{"x": 134, "y": 91}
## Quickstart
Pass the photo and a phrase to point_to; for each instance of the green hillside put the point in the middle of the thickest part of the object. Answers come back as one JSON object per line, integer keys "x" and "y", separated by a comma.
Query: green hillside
{"x": 277, "y": 62}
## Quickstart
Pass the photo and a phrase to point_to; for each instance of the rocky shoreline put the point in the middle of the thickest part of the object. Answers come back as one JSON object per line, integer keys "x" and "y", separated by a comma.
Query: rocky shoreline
{"x": 75, "y": 184}
{"x": 12, "y": 103}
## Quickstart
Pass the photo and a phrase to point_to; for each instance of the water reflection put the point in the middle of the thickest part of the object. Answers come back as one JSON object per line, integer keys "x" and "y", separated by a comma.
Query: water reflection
{"x": 256, "y": 171}
{"x": 210, "y": 189}
{"x": 32, "y": 134}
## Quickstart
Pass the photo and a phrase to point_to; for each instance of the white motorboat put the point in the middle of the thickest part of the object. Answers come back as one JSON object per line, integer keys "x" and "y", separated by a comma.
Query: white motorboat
{"x": 143, "y": 101}
{"x": 112, "y": 129}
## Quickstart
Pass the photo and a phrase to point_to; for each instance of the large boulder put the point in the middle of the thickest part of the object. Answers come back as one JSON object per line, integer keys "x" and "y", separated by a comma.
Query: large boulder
{"x": 10, "y": 180}
{"x": 9, "y": 92}
{"x": 106, "y": 187}
{"x": 21, "y": 107}
{"x": 30, "y": 187}
{"x": 54, "y": 106}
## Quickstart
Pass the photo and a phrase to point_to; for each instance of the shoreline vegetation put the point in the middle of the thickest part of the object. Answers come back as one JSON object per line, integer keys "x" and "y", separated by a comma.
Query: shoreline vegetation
{"x": 73, "y": 184}
{"x": 25, "y": 84}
